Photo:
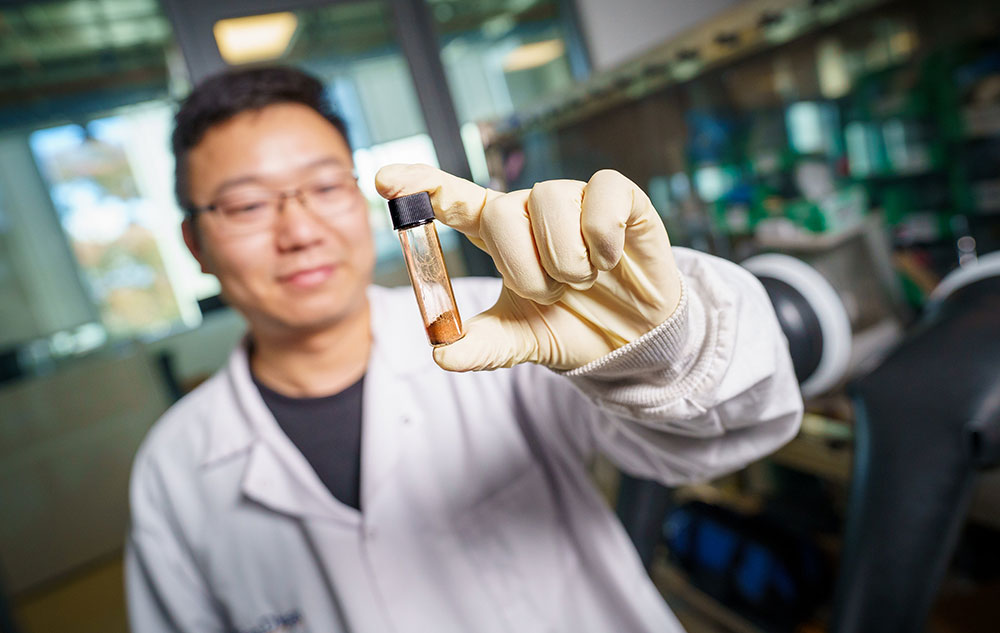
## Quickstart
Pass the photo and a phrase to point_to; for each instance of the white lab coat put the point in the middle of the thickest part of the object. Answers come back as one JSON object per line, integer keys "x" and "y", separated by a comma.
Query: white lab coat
{"x": 479, "y": 515}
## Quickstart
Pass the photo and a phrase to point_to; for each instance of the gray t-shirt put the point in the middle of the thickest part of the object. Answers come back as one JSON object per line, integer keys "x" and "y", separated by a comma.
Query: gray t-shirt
{"x": 327, "y": 431}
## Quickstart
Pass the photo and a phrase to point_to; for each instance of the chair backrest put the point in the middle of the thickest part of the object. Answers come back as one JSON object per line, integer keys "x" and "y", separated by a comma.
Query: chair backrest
{"x": 922, "y": 417}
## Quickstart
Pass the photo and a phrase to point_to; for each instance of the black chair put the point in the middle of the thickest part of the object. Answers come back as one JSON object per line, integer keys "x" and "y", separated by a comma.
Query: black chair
{"x": 641, "y": 506}
{"x": 927, "y": 419}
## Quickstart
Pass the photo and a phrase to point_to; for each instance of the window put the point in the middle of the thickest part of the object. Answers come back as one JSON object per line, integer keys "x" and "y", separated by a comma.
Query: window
{"x": 500, "y": 56}
{"x": 85, "y": 118}
{"x": 110, "y": 181}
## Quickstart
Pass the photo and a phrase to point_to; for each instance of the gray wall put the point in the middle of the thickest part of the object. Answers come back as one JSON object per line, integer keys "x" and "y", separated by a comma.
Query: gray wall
{"x": 618, "y": 31}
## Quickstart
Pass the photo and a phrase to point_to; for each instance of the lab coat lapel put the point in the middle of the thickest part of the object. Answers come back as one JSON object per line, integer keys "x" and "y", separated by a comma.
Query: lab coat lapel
{"x": 275, "y": 483}
{"x": 277, "y": 475}
{"x": 387, "y": 413}
{"x": 399, "y": 353}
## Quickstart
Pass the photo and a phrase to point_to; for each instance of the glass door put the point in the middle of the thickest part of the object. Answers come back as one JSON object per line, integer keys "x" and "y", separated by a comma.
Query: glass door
{"x": 353, "y": 48}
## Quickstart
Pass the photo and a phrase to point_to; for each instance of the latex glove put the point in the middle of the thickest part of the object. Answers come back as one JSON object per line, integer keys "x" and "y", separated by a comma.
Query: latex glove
{"x": 586, "y": 267}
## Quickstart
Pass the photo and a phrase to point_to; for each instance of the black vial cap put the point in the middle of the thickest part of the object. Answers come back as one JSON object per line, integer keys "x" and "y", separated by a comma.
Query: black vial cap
{"x": 411, "y": 210}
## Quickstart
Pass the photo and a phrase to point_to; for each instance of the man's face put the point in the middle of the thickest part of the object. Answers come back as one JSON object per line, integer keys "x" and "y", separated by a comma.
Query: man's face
{"x": 309, "y": 268}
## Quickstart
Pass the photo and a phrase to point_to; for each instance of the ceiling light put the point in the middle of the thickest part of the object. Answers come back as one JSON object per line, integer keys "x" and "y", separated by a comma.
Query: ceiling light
{"x": 255, "y": 38}
{"x": 529, "y": 56}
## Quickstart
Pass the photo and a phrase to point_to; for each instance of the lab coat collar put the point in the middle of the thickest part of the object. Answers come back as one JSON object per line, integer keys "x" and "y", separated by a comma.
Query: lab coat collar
{"x": 277, "y": 474}
{"x": 399, "y": 339}
{"x": 399, "y": 353}
{"x": 228, "y": 431}
{"x": 399, "y": 345}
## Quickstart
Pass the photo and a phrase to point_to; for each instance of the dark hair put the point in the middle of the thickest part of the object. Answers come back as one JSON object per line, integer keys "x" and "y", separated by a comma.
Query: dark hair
{"x": 224, "y": 95}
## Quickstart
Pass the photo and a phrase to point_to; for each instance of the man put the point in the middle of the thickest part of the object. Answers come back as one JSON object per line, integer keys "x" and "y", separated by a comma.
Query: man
{"x": 333, "y": 478}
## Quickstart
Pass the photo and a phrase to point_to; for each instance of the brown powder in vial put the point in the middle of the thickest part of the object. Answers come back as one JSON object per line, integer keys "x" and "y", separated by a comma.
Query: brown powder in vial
{"x": 445, "y": 329}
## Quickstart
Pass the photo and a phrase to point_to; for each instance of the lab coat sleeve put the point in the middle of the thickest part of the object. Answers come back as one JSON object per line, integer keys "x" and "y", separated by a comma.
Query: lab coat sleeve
{"x": 705, "y": 393}
{"x": 164, "y": 589}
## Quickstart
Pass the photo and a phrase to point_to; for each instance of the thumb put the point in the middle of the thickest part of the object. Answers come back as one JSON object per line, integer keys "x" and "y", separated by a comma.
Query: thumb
{"x": 494, "y": 339}
{"x": 456, "y": 201}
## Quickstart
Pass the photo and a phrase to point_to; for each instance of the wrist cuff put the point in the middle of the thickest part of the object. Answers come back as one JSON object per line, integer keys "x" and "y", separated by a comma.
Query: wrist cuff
{"x": 654, "y": 349}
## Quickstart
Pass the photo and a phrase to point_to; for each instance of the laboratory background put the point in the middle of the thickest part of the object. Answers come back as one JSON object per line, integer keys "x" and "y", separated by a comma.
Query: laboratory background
{"x": 846, "y": 152}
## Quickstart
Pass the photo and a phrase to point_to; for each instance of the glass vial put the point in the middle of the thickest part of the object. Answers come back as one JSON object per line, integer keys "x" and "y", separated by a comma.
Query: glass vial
{"x": 413, "y": 218}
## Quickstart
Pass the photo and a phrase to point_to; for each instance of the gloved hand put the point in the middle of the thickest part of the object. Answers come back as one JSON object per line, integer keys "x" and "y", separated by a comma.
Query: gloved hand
{"x": 586, "y": 267}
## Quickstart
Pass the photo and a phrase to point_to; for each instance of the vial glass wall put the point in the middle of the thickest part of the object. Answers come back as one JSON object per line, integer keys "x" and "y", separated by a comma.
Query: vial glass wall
{"x": 431, "y": 284}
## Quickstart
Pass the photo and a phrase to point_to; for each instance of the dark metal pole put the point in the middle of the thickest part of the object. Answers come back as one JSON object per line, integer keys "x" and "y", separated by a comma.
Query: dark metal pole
{"x": 576, "y": 45}
{"x": 418, "y": 40}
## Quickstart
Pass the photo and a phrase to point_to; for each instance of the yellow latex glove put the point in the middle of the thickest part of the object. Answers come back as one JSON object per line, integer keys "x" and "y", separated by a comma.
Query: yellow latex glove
{"x": 586, "y": 267}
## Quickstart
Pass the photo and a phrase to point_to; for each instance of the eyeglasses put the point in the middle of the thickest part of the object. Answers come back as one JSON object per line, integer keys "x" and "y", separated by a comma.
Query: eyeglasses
{"x": 330, "y": 194}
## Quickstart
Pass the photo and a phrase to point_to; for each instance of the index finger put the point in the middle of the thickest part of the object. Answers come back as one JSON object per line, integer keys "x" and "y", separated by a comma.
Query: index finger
{"x": 456, "y": 201}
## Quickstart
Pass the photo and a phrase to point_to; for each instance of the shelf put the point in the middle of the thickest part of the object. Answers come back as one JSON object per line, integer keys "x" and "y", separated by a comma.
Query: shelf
{"x": 823, "y": 448}
{"x": 816, "y": 457}
{"x": 981, "y": 122}
{"x": 669, "y": 64}
{"x": 674, "y": 586}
